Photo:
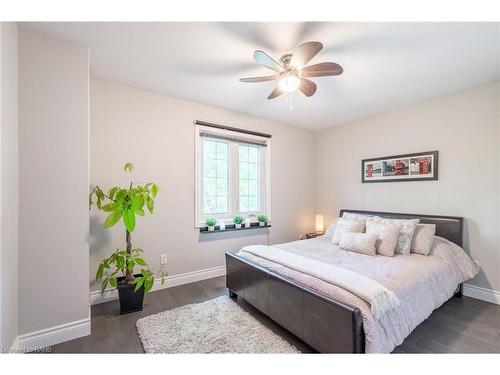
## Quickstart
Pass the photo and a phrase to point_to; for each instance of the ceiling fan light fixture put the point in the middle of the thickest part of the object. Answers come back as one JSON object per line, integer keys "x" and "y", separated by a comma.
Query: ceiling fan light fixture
{"x": 289, "y": 83}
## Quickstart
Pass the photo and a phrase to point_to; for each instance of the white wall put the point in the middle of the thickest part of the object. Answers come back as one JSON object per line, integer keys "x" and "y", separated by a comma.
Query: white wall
{"x": 9, "y": 185}
{"x": 53, "y": 182}
{"x": 156, "y": 133}
{"x": 464, "y": 127}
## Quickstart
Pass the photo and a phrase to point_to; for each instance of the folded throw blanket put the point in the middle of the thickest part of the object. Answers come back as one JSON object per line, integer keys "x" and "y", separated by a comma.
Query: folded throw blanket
{"x": 378, "y": 296}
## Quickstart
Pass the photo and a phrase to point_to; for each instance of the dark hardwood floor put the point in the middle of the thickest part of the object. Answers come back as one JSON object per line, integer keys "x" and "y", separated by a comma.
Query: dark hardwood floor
{"x": 462, "y": 325}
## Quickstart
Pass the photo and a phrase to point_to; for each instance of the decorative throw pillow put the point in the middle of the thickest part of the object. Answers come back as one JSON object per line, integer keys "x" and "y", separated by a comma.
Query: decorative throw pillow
{"x": 331, "y": 229}
{"x": 363, "y": 243}
{"x": 407, "y": 229}
{"x": 423, "y": 239}
{"x": 388, "y": 235}
{"x": 343, "y": 226}
{"x": 357, "y": 217}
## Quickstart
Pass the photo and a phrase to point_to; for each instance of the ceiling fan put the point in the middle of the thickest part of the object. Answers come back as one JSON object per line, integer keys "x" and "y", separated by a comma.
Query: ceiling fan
{"x": 292, "y": 72}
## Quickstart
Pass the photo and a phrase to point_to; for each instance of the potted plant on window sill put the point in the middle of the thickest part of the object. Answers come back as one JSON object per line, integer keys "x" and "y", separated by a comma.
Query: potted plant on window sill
{"x": 262, "y": 220}
{"x": 211, "y": 222}
{"x": 125, "y": 204}
{"x": 238, "y": 220}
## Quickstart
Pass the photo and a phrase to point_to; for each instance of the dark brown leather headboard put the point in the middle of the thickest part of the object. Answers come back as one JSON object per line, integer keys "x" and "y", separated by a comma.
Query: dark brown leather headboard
{"x": 449, "y": 227}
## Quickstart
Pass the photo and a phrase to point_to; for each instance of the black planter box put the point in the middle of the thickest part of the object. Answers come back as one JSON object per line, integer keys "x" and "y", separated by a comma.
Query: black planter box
{"x": 130, "y": 301}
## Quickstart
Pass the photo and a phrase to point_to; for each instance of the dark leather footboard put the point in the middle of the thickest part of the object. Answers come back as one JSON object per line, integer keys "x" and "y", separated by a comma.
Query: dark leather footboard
{"x": 323, "y": 323}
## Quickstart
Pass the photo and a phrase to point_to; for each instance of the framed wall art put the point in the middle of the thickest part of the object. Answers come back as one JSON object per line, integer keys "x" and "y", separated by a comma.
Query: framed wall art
{"x": 420, "y": 166}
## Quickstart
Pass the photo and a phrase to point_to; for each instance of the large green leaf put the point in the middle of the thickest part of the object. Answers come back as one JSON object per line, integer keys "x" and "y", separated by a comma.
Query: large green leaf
{"x": 120, "y": 194}
{"x": 150, "y": 203}
{"x": 129, "y": 219}
{"x": 100, "y": 271}
{"x": 137, "y": 202}
{"x": 112, "y": 192}
{"x": 108, "y": 207}
{"x": 140, "y": 261}
{"x": 112, "y": 219}
{"x": 138, "y": 283}
{"x": 148, "y": 283}
{"x": 154, "y": 190}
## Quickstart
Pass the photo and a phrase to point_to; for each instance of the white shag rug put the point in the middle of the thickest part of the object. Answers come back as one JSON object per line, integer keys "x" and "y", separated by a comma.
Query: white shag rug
{"x": 219, "y": 325}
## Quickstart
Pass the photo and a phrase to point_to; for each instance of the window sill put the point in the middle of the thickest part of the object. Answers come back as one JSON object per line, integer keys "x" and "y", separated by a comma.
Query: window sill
{"x": 232, "y": 228}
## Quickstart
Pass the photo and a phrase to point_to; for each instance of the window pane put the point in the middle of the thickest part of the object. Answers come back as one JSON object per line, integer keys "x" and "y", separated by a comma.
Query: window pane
{"x": 210, "y": 169}
{"x": 221, "y": 151}
{"x": 215, "y": 177}
{"x": 210, "y": 149}
{"x": 253, "y": 187}
{"x": 253, "y": 155}
{"x": 249, "y": 178}
{"x": 211, "y": 186}
{"x": 253, "y": 204}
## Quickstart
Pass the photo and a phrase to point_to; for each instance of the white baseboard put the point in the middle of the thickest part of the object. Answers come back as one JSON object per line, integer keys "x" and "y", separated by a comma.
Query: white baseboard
{"x": 53, "y": 335}
{"x": 15, "y": 346}
{"x": 174, "y": 280}
{"x": 483, "y": 294}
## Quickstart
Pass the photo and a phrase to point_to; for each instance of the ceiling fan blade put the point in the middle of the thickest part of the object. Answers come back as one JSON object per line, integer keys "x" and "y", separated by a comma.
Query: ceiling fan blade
{"x": 275, "y": 93}
{"x": 304, "y": 53}
{"x": 264, "y": 59}
{"x": 259, "y": 79}
{"x": 322, "y": 69}
{"x": 307, "y": 87}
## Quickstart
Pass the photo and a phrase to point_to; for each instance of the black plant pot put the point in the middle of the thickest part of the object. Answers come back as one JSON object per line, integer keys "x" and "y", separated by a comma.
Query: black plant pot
{"x": 130, "y": 301}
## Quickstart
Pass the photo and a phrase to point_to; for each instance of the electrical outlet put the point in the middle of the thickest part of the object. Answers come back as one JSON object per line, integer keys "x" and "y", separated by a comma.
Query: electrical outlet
{"x": 163, "y": 259}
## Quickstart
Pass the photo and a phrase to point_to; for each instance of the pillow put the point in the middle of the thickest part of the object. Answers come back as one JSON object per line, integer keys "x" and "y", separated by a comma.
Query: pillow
{"x": 387, "y": 234}
{"x": 343, "y": 226}
{"x": 357, "y": 217}
{"x": 363, "y": 243}
{"x": 407, "y": 229}
{"x": 423, "y": 239}
{"x": 331, "y": 229}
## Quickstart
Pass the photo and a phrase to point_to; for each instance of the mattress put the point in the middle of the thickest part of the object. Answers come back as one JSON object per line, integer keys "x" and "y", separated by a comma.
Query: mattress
{"x": 421, "y": 283}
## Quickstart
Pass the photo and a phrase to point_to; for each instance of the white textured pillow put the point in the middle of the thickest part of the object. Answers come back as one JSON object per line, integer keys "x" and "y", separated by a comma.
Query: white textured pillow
{"x": 388, "y": 235}
{"x": 363, "y": 243}
{"x": 357, "y": 217}
{"x": 331, "y": 229}
{"x": 407, "y": 229}
{"x": 343, "y": 226}
{"x": 423, "y": 239}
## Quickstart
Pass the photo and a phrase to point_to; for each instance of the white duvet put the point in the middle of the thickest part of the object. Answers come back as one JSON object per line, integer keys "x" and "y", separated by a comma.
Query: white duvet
{"x": 421, "y": 283}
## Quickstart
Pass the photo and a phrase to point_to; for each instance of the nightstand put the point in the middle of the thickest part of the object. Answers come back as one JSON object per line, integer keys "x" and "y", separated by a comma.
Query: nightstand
{"x": 313, "y": 235}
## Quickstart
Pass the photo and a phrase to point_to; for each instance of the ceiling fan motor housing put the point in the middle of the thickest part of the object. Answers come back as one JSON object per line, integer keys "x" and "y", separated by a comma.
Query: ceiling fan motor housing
{"x": 285, "y": 60}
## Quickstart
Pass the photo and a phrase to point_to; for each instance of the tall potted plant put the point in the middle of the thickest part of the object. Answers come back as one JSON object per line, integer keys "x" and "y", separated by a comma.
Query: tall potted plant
{"x": 125, "y": 204}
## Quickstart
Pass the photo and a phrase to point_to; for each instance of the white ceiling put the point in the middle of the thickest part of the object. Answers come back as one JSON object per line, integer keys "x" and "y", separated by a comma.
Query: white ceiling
{"x": 386, "y": 65}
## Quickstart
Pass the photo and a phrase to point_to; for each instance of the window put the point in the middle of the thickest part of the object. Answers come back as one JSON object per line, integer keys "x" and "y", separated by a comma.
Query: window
{"x": 232, "y": 175}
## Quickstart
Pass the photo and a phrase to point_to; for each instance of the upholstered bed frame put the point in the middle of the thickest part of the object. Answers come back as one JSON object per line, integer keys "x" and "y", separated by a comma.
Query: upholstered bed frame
{"x": 324, "y": 323}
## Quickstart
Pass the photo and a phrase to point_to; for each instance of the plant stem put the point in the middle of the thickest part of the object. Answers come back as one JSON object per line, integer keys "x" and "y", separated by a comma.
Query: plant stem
{"x": 129, "y": 274}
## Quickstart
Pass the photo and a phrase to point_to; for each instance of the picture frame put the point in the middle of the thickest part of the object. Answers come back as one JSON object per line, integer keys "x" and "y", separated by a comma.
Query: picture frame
{"x": 420, "y": 166}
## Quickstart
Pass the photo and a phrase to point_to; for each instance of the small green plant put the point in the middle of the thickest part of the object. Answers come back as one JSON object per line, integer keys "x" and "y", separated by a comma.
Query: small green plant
{"x": 262, "y": 218}
{"x": 238, "y": 219}
{"x": 211, "y": 221}
{"x": 126, "y": 203}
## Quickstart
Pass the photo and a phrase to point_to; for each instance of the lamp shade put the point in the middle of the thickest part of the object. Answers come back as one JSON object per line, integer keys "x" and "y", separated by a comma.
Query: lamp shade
{"x": 319, "y": 224}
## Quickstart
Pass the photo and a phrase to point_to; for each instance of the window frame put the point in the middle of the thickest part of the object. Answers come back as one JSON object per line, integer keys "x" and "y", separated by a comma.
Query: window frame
{"x": 233, "y": 175}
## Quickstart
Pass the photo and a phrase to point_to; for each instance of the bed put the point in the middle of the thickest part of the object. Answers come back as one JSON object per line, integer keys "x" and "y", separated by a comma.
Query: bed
{"x": 333, "y": 320}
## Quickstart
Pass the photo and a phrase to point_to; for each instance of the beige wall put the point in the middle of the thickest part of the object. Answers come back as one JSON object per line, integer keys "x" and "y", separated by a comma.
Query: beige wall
{"x": 155, "y": 132}
{"x": 9, "y": 185}
{"x": 53, "y": 182}
{"x": 464, "y": 127}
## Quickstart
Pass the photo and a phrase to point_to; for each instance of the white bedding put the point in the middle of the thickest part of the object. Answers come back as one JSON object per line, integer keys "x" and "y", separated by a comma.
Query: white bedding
{"x": 378, "y": 296}
{"x": 421, "y": 283}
